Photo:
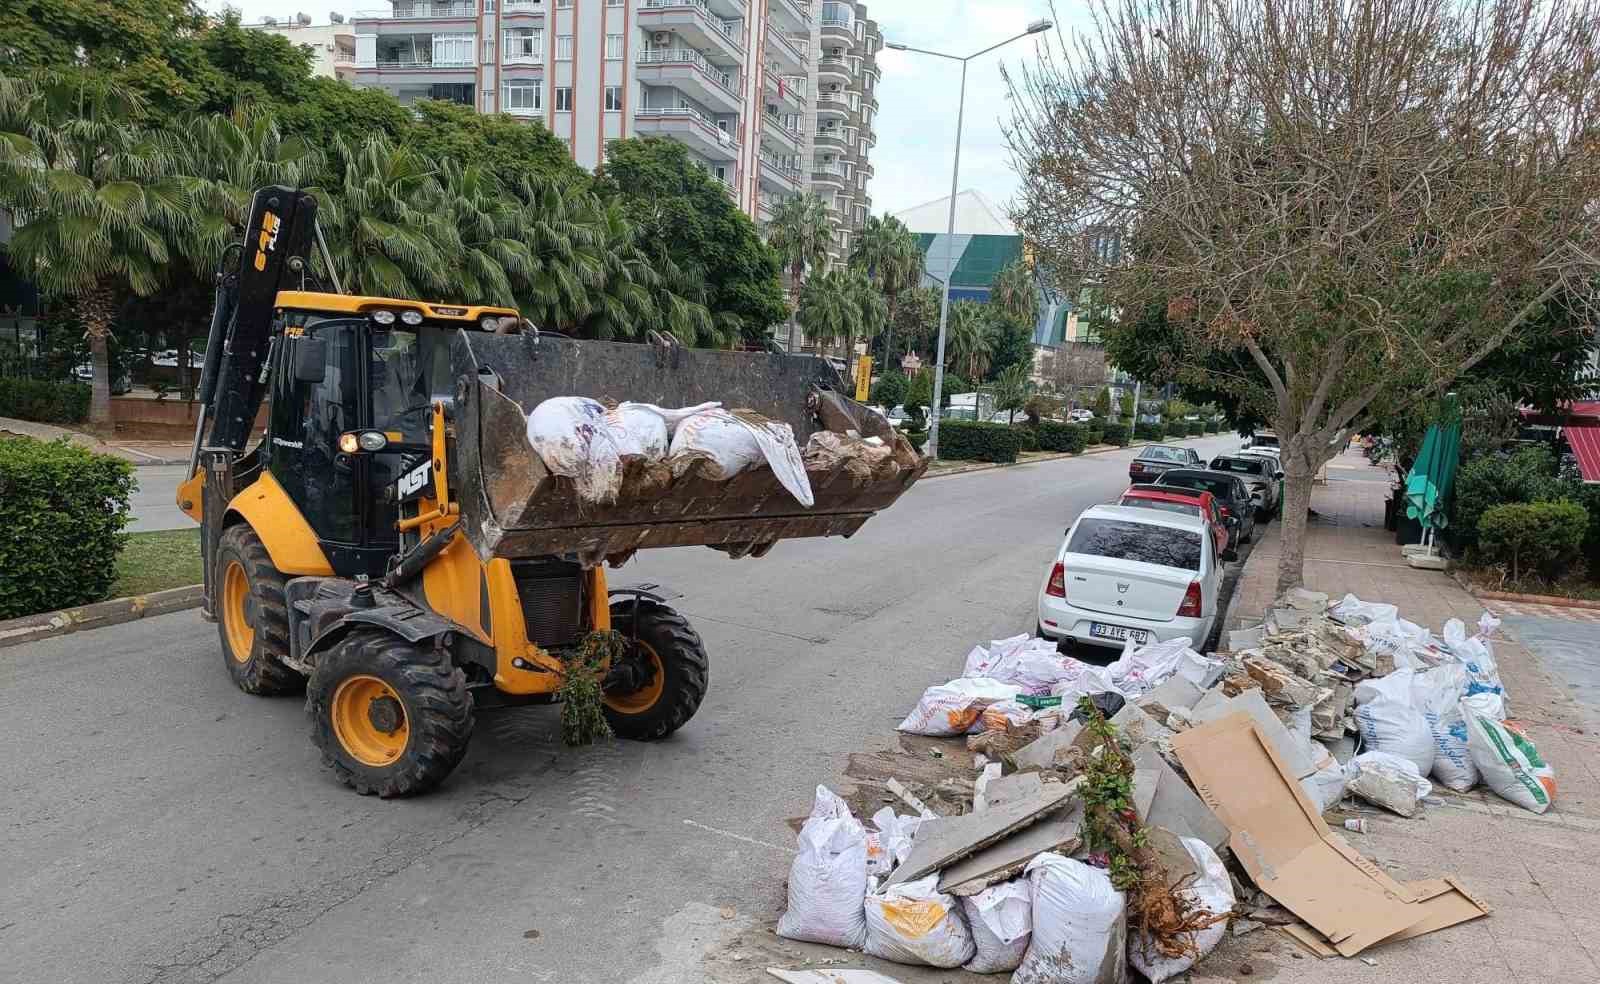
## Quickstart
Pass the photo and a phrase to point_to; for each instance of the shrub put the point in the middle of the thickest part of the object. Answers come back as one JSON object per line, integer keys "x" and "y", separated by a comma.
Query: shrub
{"x": 1030, "y": 437}
{"x": 1535, "y": 537}
{"x": 890, "y": 390}
{"x": 62, "y": 510}
{"x": 1150, "y": 432}
{"x": 917, "y": 438}
{"x": 1054, "y": 436}
{"x": 44, "y": 401}
{"x": 1494, "y": 480}
{"x": 1196, "y": 428}
{"x": 1094, "y": 433}
{"x": 970, "y": 440}
{"x": 1115, "y": 434}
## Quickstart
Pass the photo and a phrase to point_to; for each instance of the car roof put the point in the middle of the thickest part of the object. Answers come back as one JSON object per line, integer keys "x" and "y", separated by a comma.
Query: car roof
{"x": 1146, "y": 517}
{"x": 1199, "y": 473}
{"x": 1163, "y": 447}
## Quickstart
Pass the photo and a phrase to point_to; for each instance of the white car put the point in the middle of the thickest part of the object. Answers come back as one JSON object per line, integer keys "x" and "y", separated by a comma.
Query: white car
{"x": 1081, "y": 416}
{"x": 1124, "y": 573}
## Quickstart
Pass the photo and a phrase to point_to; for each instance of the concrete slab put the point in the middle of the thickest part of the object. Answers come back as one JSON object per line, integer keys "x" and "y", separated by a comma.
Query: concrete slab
{"x": 941, "y": 841}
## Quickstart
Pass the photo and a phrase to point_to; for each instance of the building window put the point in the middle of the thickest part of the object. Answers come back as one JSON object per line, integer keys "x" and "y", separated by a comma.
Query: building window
{"x": 613, "y": 3}
{"x": 563, "y": 4}
{"x": 855, "y": 101}
{"x": 563, "y": 98}
{"x": 523, "y": 97}
{"x": 488, "y": 6}
{"x": 454, "y": 49}
{"x": 488, "y": 51}
{"x": 721, "y": 172}
{"x": 522, "y": 44}
{"x": 613, "y": 98}
{"x": 613, "y": 46}
{"x": 488, "y": 100}
{"x": 563, "y": 47}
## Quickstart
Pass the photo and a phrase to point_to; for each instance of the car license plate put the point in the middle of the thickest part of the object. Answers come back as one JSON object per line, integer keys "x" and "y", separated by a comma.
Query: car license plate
{"x": 1119, "y": 632}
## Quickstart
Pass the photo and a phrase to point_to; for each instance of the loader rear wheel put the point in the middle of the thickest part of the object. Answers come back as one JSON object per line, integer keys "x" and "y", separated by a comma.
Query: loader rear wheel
{"x": 392, "y": 717}
{"x": 664, "y": 677}
{"x": 252, "y": 615}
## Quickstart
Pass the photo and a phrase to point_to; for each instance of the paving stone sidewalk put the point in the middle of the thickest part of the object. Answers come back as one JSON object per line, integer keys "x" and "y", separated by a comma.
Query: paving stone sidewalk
{"x": 1538, "y": 872}
{"x": 137, "y": 452}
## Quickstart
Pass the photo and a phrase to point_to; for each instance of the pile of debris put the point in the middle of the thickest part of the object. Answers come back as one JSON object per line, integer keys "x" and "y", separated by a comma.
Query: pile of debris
{"x": 1095, "y": 817}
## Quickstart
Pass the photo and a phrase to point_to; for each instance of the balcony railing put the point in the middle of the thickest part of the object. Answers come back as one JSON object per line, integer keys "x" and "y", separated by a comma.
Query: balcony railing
{"x": 834, "y": 65}
{"x": 522, "y": 58}
{"x": 786, "y": 43}
{"x": 409, "y": 61}
{"x": 775, "y": 122}
{"x": 821, "y": 167}
{"x": 688, "y": 56}
{"x": 421, "y": 11}
{"x": 794, "y": 87}
{"x": 522, "y": 6}
{"x": 835, "y": 15}
{"x": 714, "y": 131}
{"x": 701, "y": 9}
{"x": 773, "y": 164}
{"x": 834, "y": 99}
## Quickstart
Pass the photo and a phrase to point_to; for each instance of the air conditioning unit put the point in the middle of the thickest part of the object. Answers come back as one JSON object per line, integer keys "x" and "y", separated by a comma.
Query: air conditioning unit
{"x": 661, "y": 38}
{"x": 270, "y": 21}
{"x": 303, "y": 19}
{"x": 335, "y": 18}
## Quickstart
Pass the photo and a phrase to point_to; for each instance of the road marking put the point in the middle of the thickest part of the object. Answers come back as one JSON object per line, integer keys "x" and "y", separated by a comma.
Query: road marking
{"x": 738, "y": 837}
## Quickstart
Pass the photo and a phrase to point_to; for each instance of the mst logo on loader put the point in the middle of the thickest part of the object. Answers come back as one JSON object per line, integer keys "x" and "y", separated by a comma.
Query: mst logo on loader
{"x": 268, "y": 240}
{"x": 415, "y": 483}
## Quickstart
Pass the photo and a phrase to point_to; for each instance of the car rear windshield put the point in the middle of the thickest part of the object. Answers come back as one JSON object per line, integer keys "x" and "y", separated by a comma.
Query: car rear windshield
{"x": 1164, "y": 505}
{"x": 1244, "y": 466}
{"x": 1222, "y": 488}
{"x": 1120, "y": 539}
{"x": 1164, "y": 454}
{"x": 1265, "y": 440}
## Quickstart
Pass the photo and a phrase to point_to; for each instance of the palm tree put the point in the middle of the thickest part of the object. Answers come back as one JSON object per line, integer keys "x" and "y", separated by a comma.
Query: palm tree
{"x": 96, "y": 200}
{"x": 1012, "y": 389}
{"x": 556, "y": 224}
{"x": 829, "y": 310}
{"x": 890, "y": 255}
{"x": 485, "y": 220}
{"x": 1014, "y": 292}
{"x": 386, "y": 224}
{"x": 800, "y": 232}
{"x": 969, "y": 338}
{"x": 871, "y": 307}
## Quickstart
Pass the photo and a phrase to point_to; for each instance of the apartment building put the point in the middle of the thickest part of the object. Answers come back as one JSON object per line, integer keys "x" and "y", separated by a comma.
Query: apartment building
{"x": 333, "y": 45}
{"x": 844, "y": 79}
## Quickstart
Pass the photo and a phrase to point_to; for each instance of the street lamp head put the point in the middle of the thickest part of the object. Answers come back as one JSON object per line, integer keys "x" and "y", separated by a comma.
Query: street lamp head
{"x": 895, "y": 45}
{"x": 1043, "y": 24}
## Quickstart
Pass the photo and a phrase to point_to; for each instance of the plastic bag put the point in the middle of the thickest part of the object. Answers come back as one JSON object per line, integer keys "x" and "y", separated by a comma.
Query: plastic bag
{"x": 732, "y": 442}
{"x": 1004, "y": 713}
{"x": 1202, "y": 671}
{"x": 954, "y": 708}
{"x": 573, "y": 437}
{"x": 1080, "y": 925}
{"x": 1396, "y": 686}
{"x": 1325, "y": 787}
{"x": 1510, "y": 764}
{"x": 1001, "y": 920}
{"x": 1353, "y": 611}
{"x": 915, "y": 923}
{"x": 1483, "y": 673}
{"x": 1212, "y": 893}
{"x": 1489, "y": 705}
{"x": 1397, "y": 728}
{"x": 1388, "y": 781}
{"x": 828, "y": 878}
{"x": 645, "y": 429}
{"x": 893, "y": 841}
{"x": 1437, "y": 694}
{"x": 1143, "y": 668}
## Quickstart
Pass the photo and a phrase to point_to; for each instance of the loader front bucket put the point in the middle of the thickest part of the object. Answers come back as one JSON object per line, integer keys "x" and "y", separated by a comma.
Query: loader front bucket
{"x": 512, "y": 507}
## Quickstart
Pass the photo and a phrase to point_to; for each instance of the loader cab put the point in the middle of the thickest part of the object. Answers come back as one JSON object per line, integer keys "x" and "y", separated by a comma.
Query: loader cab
{"x": 352, "y": 385}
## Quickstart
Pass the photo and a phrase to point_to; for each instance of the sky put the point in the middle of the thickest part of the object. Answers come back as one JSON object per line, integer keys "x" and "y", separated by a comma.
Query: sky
{"x": 917, "y": 93}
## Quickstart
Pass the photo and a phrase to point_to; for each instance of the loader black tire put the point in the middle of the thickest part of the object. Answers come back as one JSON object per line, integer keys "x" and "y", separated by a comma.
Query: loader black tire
{"x": 428, "y": 704}
{"x": 252, "y": 615}
{"x": 679, "y": 659}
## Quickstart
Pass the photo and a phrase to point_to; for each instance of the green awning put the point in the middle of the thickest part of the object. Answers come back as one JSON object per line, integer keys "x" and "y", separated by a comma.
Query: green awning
{"x": 1433, "y": 473}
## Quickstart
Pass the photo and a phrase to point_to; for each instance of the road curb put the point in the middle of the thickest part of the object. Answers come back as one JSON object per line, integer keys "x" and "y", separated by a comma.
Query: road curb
{"x": 1554, "y": 601}
{"x": 47, "y": 625}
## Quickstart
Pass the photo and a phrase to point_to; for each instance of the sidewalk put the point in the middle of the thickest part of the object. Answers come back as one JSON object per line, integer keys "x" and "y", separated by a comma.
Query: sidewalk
{"x": 1538, "y": 872}
{"x": 138, "y": 452}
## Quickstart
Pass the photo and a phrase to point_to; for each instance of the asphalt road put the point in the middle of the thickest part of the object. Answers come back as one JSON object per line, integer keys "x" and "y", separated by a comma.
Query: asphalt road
{"x": 155, "y": 503}
{"x": 161, "y": 826}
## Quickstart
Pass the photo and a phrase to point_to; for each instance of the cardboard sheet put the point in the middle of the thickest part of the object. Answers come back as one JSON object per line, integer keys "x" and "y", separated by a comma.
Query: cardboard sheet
{"x": 1280, "y": 838}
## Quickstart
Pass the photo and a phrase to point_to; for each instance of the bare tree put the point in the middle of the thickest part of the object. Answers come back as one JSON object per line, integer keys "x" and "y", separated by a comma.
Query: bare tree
{"x": 1074, "y": 366}
{"x": 1358, "y": 200}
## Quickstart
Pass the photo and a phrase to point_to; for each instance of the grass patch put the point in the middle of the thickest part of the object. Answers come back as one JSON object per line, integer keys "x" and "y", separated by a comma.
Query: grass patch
{"x": 157, "y": 561}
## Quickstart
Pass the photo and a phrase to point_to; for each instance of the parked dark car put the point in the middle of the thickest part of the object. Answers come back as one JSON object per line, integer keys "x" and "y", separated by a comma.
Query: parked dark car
{"x": 1259, "y": 472}
{"x": 1157, "y": 458}
{"x": 1232, "y": 495}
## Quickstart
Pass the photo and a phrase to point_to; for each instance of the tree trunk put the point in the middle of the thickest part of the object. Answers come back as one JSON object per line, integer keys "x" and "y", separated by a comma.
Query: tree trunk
{"x": 95, "y": 309}
{"x": 1292, "y": 531}
{"x": 888, "y": 342}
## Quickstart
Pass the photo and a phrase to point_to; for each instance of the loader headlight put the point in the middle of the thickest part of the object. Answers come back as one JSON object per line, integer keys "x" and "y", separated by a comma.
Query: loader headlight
{"x": 411, "y": 317}
{"x": 383, "y": 317}
{"x": 355, "y": 441}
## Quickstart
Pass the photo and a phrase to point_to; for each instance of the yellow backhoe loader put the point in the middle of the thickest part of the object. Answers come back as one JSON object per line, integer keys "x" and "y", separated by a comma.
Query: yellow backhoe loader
{"x": 392, "y": 543}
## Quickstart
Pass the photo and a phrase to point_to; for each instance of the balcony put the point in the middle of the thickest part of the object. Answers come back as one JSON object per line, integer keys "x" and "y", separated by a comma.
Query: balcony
{"x": 688, "y": 126}
{"x": 838, "y": 24}
{"x": 689, "y": 70}
{"x": 695, "y": 22}
{"x": 411, "y": 63}
{"x": 831, "y": 139}
{"x": 421, "y": 10}
{"x": 833, "y": 70}
{"x": 530, "y": 54}
{"x": 516, "y": 10}
{"x": 775, "y": 174}
{"x": 832, "y": 104}
{"x": 829, "y": 174}
{"x": 785, "y": 53}
{"x": 798, "y": 11}
{"x": 791, "y": 94}
{"x": 773, "y": 129}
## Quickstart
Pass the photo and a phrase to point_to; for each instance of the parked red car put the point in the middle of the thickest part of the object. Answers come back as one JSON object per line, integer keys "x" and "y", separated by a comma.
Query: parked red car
{"x": 1191, "y": 501}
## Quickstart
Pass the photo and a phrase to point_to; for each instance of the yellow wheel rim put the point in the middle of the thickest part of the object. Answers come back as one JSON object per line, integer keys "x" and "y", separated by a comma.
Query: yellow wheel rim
{"x": 236, "y": 611}
{"x": 369, "y": 719}
{"x": 645, "y": 697}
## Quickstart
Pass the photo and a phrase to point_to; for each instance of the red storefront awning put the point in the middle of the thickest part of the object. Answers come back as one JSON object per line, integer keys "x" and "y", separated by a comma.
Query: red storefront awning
{"x": 1585, "y": 442}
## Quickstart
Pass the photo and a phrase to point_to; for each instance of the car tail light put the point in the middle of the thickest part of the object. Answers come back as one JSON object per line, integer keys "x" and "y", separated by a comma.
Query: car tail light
{"x": 1191, "y": 601}
{"x": 1057, "y": 587}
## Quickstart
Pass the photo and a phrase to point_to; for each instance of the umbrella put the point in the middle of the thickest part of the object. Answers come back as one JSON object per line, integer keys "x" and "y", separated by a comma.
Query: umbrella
{"x": 1433, "y": 473}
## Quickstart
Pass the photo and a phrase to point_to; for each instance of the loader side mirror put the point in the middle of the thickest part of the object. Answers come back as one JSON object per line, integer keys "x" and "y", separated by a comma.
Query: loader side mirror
{"x": 310, "y": 359}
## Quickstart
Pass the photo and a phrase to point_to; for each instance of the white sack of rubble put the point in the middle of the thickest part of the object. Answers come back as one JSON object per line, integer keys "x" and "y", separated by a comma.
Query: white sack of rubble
{"x": 1001, "y": 920}
{"x": 574, "y": 438}
{"x": 1210, "y": 894}
{"x": 828, "y": 878}
{"x": 915, "y": 923}
{"x": 645, "y": 429}
{"x": 734, "y": 441}
{"x": 1080, "y": 925}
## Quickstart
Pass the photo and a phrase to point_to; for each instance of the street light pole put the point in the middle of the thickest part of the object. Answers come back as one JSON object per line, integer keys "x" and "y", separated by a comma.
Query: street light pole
{"x": 950, "y": 222}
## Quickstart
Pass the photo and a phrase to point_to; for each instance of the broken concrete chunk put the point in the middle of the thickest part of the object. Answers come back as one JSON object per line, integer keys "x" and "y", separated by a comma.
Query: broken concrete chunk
{"x": 1176, "y": 692}
{"x": 1137, "y": 726}
{"x": 1250, "y": 638}
{"x": 1283, "y": 686}
{"x": 1171, "y": 803}
{"x": 1174, "y": 857}
{"x": 1007, "y": 789}
{"x": 1059, "y": 834}
{"x": 1043, "y": 753}
{"x": 941, "y": 841}
{"x": 1305, "y": 600}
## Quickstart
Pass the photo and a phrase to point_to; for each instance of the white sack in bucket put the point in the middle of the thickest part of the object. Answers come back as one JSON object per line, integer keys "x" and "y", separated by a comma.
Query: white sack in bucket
{"x": 915, "y": 923}
{"x": 575, "y": 440}
{"x": 1080, "y": 926}
{"x": 732, "y": 443}
{"x": 828, "y": 878}
{"x": 645, "y": 429}
{"x": 1210, "y": 893}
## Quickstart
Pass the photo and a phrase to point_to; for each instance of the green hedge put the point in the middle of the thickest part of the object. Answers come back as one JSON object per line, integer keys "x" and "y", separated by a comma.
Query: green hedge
{"x": 970, "y": 440}
{"x": 43, "y": 401}
{"x": 1030, "y": 436}
{"x": 1490, "y": 480}
{"x": 1094, "y": 433}
{"x": 1055, "y": 436}
{"x": 1150, "y": 432}
{"x": 1534, "y": 537}
{"x": 1115, "y": 434}
{"x": 917, "y": 438}
{"x": 62, "y": 510}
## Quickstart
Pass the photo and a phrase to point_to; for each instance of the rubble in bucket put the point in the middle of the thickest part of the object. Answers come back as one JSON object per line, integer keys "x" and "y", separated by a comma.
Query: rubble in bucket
{"x": 1069, "y": 820}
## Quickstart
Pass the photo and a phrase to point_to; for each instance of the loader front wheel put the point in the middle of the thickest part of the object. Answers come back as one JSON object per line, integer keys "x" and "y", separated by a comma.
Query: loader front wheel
{"x": 662, "y": 679}
{"x": 392, "y": 718}
{"x": 252, "y": 615}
